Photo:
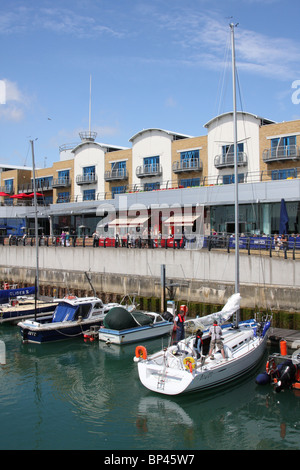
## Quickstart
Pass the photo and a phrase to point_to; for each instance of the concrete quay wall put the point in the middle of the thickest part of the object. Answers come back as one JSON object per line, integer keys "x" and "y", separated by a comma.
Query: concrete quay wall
{"x": 202, "y": 276}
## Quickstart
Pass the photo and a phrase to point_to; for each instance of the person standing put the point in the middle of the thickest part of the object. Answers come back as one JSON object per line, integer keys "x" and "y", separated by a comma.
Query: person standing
{"x": 215, "y": 332}
{"x": 179, "y": 321}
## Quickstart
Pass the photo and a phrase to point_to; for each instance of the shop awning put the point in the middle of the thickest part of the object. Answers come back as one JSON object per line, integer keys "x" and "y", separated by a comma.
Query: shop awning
{"x": 128, "y": 221}
{"x": 179, "y": 219}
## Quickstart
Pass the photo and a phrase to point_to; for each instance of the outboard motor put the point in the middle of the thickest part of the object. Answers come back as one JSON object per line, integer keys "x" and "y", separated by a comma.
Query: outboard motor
{"x": 287, "y": 376}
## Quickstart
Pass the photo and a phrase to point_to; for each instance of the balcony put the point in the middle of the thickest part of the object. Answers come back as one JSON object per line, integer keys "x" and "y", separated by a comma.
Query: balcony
{"x": 145, "y": 171}
{"x": 227, "y": 161}
{"x": 187, "y": 165}
{"x": 281, "y": 153}
{"x": 116, "y": 175}
{"x": 7, "y": 189}
{"x": 90, "y": 178}
{"x": 61, "y": 182}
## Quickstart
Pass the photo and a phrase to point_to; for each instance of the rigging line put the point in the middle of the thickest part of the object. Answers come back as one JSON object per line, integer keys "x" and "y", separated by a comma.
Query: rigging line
{"x": 224, "y": 75}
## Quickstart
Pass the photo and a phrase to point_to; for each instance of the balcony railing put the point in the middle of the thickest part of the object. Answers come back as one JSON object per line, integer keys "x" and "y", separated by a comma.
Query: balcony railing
{"x": 61, "y": 182}
{"x": 90, "y": 178}
{"x": 7, "y": 189}
{"x": 144, "y": 171}
{"x": 286, "y": 152}
{"x": 225, "y": 161}
{"x": 187, "y": 165}
{"x": 116, "y": 175}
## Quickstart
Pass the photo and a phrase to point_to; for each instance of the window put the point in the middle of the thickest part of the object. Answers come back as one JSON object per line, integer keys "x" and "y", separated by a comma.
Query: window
{"x": 228, "y": 152}
{"x": 189, "y": 159}
{"x": 44, "y": 182}
{"x": 118, "y": 165}
{"x": 9, "y": 184}
{"x": 151, "y": 186}
{"x": 284, "y": 174}
{"x": 89, "y": 195}
{"x": 64, "y": 175}
{"x": 151, "y": 161}
{"x": 89, "y": 172}
{"x": 283, "y": 146}
{"x": 63, "y": 197}
{"x": 117, "y": 190}
{"x": 228, "y": 179}
{"x": 118, "y": 169}
{"x": 190, "y": 182}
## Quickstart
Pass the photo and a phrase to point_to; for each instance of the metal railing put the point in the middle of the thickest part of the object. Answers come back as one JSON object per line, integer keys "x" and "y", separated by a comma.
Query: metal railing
{"x": 284, "y": 152}
{"x": 149, "y": 170}
{"x": 250, "y": 244}
{"x": 223, "y": 161}
{"x": 187, "y": 165}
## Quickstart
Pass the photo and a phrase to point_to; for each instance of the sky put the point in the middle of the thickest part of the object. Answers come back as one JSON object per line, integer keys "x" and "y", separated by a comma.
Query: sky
{"x": 151, "y": 64}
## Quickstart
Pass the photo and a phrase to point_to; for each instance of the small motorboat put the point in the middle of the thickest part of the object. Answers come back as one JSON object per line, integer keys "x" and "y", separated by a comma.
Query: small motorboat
{"x": 72, "y": 317}
{"x": 122, "y": 326}
{"x": 282, "y": 370}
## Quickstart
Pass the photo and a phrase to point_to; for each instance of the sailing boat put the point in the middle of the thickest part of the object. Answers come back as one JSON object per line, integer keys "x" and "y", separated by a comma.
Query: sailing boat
{"x": 179, "y": 369}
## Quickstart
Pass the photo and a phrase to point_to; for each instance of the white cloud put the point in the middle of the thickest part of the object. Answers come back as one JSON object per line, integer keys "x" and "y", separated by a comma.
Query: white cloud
{"x": 14, "y": 103}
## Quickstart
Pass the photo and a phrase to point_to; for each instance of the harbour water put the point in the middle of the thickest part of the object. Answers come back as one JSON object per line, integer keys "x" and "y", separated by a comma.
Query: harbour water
{"x": 74, "y": 395}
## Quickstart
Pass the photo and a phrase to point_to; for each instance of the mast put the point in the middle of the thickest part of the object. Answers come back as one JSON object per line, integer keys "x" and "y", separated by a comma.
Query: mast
{"x": 35, "y": 225}
{"x": 236, "y": 199}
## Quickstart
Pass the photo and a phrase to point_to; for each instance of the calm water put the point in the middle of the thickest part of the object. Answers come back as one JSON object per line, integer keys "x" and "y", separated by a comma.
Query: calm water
{"x": 77, "y": 395}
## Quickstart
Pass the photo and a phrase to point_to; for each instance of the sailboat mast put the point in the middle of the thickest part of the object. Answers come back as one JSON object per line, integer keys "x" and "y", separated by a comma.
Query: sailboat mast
{"x": 35, "y": 220}
{"x": 236, "y": 199}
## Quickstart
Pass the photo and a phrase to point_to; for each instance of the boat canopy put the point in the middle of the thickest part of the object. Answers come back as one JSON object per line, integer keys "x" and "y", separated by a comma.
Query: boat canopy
{"x": 119, "y": 318}
{"x": 67, "y": 312}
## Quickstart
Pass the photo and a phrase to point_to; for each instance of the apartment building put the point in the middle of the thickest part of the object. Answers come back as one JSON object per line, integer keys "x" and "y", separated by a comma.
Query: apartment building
{"x": 201, "y": 168}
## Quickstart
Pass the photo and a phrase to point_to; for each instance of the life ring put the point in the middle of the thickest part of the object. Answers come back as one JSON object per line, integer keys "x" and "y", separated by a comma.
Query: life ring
{"x": 270, "y": 366}
{"x": 70, "y": 297}
{"x": 189, "y": 363}
{"x": 141, "y": 352}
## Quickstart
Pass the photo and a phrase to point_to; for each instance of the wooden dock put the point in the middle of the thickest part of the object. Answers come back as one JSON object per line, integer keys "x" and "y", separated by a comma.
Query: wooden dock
{"x": 292, "y": 337}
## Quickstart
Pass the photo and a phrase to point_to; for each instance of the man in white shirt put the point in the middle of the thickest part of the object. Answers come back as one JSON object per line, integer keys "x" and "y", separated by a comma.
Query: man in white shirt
{"x": 215, "y": 332}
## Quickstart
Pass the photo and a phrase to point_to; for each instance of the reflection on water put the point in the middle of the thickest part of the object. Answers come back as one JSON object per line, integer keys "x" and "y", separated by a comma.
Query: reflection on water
{"x": 77, "y": 395}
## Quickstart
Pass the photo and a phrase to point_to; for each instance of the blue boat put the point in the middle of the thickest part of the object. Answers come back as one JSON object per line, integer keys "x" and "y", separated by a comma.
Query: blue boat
{"x": 72, "y": 317}
{"x": 7, "y": 294}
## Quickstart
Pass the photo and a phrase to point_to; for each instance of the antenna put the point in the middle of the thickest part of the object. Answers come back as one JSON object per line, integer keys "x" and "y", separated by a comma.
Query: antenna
{"x": 90, "y": 103}
{"x": 89, "y": 136}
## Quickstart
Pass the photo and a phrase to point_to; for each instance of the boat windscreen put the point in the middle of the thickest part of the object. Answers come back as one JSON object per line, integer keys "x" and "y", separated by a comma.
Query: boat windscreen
{"x": 64, "y": 312}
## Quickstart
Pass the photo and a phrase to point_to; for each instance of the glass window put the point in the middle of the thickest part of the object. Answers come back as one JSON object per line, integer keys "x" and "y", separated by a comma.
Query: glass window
{"x": 190, "y": 182}
{"x": 189, "y": 159}
{"x": 64, "y": 174}
{"x": 151, "y": 186}
{"x": 118, "y": 165}
{"x": 89, "y": 195}
{"x": 283, "y": 174}
{"x": 9, "y": 184}
{"x": 229, "y": 179}
{"x": 283, "y": 146}
{"x": 117, "y": 190}
{"x": 89, "y": 171}
{"x": 63, "y": 197}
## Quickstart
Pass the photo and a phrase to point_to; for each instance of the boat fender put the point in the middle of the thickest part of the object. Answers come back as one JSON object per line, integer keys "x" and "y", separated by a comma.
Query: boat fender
{"x": 263, "y": 379}
{"x": 283, "y": 347}
{"x": 266, "y": 327}
{"x": 189, "y": 363}
{"x": 141, "y": 352}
